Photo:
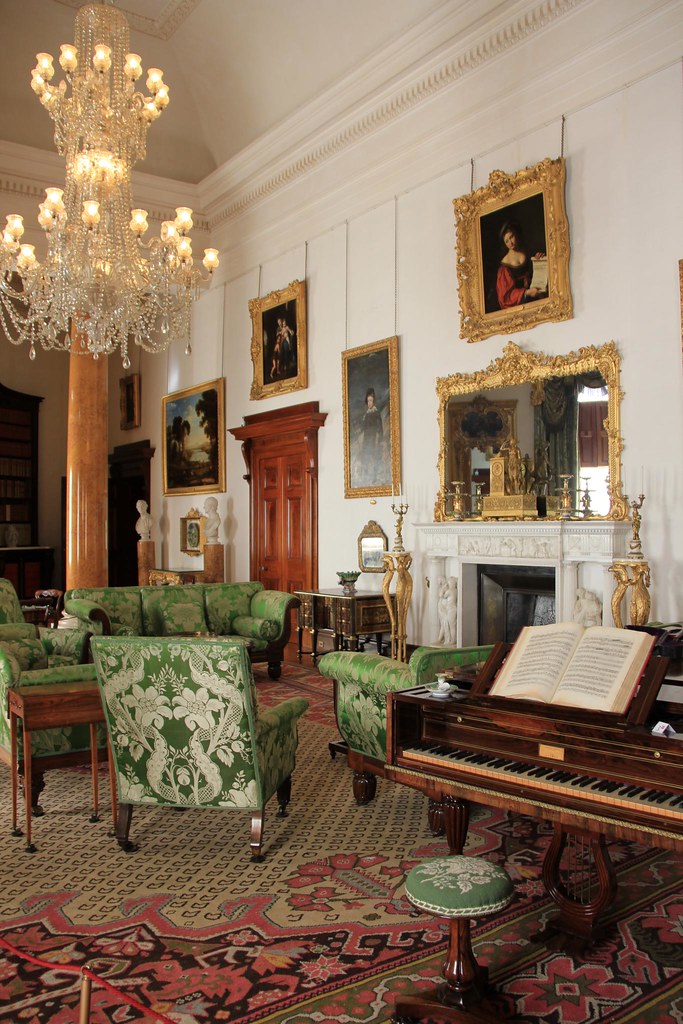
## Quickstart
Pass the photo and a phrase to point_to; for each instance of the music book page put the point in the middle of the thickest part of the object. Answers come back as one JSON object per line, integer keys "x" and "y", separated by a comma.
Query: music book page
{"x": 564, "y": 663}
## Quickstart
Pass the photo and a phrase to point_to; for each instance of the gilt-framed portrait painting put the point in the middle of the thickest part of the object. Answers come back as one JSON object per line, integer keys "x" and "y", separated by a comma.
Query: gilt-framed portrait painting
{"x": 193, "y": 427}
{"x": 370, "y": 403}
{"x": 278, "y": 341}
{"x": 512, "y": 244}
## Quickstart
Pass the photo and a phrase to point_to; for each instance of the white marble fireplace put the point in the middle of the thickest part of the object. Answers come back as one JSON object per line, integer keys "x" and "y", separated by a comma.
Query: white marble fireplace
{"x": 578, "y": 551}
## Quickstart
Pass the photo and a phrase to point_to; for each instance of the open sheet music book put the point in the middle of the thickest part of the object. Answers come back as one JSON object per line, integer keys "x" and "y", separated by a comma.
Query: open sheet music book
{"x": 564, "y": 663}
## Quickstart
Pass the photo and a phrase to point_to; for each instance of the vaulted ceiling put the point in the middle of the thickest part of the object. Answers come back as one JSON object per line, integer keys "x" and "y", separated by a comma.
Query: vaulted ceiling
{"x": 235, "y": 68}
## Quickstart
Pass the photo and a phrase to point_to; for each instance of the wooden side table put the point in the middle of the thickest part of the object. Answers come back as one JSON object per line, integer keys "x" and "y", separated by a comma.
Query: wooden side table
{"x": 346, "y": 616}
{"x": 49, "y": 706}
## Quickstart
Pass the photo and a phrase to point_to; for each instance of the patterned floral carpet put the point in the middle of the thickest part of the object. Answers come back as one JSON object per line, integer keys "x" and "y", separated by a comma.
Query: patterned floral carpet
{"x": 321, "y": 930}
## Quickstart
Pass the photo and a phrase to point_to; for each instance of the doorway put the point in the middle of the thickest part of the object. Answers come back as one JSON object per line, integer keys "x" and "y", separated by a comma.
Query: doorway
{"x": 280, "y": 449}
{"x": 129, "y": 481}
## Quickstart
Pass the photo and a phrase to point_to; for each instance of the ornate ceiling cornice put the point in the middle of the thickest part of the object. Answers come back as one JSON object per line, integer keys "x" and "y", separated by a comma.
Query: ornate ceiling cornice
{"x": 390, "y": 107}
{"x": 170, "y": 18}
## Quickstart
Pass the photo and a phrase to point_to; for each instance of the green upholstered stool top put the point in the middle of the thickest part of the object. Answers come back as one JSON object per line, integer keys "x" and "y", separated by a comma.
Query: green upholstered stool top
{"x": 459, "y": 886}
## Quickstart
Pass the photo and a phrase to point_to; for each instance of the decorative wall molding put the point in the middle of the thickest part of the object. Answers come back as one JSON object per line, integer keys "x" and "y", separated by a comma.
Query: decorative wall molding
{"x": 386, "y": 108}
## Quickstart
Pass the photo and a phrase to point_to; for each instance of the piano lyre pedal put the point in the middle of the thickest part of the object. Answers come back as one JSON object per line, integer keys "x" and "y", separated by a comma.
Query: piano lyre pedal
{"x": 596, "y": 776}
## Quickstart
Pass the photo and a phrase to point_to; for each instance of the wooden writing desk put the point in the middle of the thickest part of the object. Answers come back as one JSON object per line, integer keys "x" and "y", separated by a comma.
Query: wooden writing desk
{"x": 346, "y": 616}
{"x": 49, "y": 706}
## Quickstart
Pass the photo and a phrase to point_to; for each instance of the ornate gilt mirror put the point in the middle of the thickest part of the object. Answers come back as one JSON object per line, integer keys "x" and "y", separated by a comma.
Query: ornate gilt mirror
{"x": 564, "y": 412}
{"x": 372, "y": 544}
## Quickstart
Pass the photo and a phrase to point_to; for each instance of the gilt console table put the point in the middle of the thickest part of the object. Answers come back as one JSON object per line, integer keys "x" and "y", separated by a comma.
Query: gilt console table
{"x": 346, "y": 616}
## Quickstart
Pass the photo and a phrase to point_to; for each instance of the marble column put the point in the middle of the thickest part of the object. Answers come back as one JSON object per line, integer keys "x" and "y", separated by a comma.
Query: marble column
{"x": 86, "y": 473}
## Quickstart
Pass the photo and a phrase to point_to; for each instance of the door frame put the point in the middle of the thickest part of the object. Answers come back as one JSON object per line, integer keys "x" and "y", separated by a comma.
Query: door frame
{"x": 275, "y": 431}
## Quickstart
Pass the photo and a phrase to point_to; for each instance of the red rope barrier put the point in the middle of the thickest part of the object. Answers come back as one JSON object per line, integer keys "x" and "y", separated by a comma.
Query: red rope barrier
{"x": 73, "y": 969}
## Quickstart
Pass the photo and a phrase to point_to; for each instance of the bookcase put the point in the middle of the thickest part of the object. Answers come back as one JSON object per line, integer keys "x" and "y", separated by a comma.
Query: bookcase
{"x": 18, "y": 468}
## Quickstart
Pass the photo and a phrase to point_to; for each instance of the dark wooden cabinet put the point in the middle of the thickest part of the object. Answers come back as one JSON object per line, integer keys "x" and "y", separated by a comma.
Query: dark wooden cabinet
{"x": 18, "y": 468}
{"x": 28, "y": 569}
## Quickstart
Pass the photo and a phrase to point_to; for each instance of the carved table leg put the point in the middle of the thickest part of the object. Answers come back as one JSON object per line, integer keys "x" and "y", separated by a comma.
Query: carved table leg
{"x": 435, "y": 818}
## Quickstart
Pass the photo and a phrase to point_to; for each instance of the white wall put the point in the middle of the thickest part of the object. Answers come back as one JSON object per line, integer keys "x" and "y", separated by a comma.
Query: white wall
{"x": 624, "y": 207}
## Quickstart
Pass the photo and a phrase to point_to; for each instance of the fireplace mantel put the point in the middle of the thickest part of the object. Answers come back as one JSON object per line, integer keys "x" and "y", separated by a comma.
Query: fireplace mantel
{"x": 579, "y": 551}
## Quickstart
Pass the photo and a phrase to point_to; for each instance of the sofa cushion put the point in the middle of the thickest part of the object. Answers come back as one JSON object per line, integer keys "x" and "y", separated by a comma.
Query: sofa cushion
{"x": 169, "y": 611}
{"x": 10, "y": 609}
{"x": 28, "y": 654}
{"x": 225, "y": 602}
{"x": 258, "y": 629}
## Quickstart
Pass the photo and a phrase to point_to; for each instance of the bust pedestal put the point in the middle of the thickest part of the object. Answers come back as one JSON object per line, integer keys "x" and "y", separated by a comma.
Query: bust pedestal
{"x": 214, "y": 563}
{"x": 146, "y": 561}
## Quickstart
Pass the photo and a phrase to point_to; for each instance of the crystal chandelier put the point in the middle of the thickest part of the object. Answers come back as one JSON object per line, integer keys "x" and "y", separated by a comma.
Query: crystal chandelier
{"x": 100, "y": 286}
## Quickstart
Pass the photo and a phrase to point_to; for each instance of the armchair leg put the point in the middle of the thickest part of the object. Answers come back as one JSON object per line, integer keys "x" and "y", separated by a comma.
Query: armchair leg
{"x": 123, "y": 828}
{"x": 257, "y": 820}
{"x": 284, "y": 795}
{"x": 274, "y": 669}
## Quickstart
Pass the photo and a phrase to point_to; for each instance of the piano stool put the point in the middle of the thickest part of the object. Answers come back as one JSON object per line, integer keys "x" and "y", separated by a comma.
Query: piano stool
{"x": 459, "y": 888}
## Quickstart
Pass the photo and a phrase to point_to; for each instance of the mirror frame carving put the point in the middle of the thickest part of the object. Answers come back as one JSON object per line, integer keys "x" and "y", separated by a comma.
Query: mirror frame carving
{"x": 518, "y": 367}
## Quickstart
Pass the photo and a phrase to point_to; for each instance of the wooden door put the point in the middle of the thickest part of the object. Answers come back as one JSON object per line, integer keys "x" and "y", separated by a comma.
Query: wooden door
{"x": 280, "y": 449}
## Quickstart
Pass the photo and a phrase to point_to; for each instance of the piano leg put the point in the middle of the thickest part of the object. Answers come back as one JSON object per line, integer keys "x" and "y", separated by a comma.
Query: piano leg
{"x": 364, "y": 787}
{"x": 456, "y": 819}
{"x": 586, "y": 892}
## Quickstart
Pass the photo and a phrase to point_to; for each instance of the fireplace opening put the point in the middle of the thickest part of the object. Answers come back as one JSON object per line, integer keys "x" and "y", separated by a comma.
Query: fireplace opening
{"x": 510, "y": 597}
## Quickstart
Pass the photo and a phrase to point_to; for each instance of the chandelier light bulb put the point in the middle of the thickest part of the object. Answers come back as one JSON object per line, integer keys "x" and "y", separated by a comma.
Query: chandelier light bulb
{"x": 45, "y": 65}
{"x": 132, "y": 67}
{"x": 38, "y": 82}
{"x": 14, "y": 226}
{"x": 185, "y": 249}
{"x": 68, "y": 60}
{"x": 155, "y": 79}
{"x": 211, "y": 260}
{"x": 54, "y": 199}
{"x": 27, "y": 256}
{"x": 162, "y": 98}
{"x": 138, "y": 222}
{"x": 91, "y": 213}
{"x": 101, "y": 60}
{"x": 169, "y": 232}
{"x": 183, "y": 219}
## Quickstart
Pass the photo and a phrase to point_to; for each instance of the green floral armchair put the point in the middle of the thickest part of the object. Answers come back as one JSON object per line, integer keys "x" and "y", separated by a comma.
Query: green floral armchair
{"x": 185, "y": 728}
{"x": 362, "y": 682}
{"x": 13, "y": 625}
{"x": 54, "y": 656}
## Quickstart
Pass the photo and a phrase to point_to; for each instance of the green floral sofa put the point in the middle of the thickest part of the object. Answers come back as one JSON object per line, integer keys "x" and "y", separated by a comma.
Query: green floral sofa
{"x": 362, "y": 682}
{"x": 247, "y": 610}
{"x": 186, "y": 731}
{"x": 53, "y": 656}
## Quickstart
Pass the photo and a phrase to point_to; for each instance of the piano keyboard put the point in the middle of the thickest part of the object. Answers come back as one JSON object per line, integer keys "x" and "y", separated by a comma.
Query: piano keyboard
{"x": 549, "y": 780}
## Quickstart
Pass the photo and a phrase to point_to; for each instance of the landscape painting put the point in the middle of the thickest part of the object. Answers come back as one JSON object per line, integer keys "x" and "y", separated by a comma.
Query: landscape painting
{"x": 194, "y": 448}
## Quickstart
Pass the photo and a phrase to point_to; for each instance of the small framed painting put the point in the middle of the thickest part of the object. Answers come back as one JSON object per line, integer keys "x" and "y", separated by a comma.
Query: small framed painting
{"x": 192, "y": 538}
{"x": 278, "y": 342}
{"x": 193, "y": 428}
{"x": 372, "y": 446}
{"x": 512, "y": 242}
{"x": 129, "y": 400}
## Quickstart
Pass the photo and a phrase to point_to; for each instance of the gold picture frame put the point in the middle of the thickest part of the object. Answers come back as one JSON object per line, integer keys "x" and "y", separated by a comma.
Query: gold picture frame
{"x": 278, "y": 342}
{"x": 373, "y": 544}
{"x": 512, "y": 239}
{"x": 129, "y": 401}
{"x": 193, "y": 432}
{"x": 372, "y": 436}
{"x": 192, "y": 537}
